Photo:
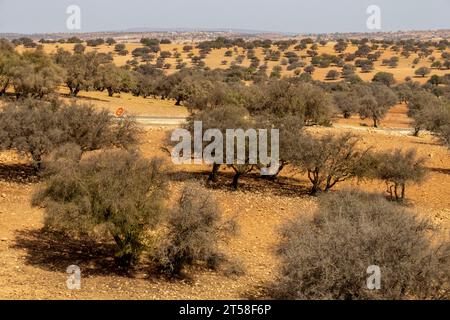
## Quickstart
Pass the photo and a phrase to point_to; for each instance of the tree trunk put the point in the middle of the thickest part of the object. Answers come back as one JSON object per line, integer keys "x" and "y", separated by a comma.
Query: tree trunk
{"x": 75, "y": 92}
{"x": 3, "y": 89}
{"x": 110, "y": 92}
{"x": 235, "y": 182}
{"x": 178, "y": 103}
{"x": 313, "y": 176}
{"x": 274, "y": 176}
{"x": 375, "y": 123}
{"x": 314, "y": 189}
{"x": 213, "y": 175}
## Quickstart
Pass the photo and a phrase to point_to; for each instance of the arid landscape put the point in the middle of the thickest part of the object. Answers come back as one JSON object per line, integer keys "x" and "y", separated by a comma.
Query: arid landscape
{"x": 33, "y": 262}
{"x": 89, "y": 176}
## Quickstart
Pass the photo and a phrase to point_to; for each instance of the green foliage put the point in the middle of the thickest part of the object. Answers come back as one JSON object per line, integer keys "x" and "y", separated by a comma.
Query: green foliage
{"x": 114, "y": 79}
{"x": 385, "y": 78}
{"x": 33, "y": 74}
{"x": 397, "y": 168}
{"x": 376, "y": 101}
{"x": 422, "y": 71}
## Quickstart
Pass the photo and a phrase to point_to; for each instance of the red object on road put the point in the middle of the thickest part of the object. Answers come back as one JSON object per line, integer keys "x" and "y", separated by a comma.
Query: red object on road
{"x": 120, "y": 112}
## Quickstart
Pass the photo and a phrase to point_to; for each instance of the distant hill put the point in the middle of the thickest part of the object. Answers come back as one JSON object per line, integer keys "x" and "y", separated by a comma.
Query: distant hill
{"x": 209, "y": 34}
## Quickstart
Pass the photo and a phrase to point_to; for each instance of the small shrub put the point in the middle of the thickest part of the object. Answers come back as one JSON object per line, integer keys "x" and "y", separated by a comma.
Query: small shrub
{"x": 194, "y": 231}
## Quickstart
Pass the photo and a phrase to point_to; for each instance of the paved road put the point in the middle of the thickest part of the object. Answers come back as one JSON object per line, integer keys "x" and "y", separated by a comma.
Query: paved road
{"x": 388, "y": 131}
{"x": 160, "y": 121}
{"x": 149, "y": 121}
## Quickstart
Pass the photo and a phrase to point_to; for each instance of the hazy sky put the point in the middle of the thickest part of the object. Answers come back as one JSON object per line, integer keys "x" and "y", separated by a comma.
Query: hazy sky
{"x": 299, "y": 16}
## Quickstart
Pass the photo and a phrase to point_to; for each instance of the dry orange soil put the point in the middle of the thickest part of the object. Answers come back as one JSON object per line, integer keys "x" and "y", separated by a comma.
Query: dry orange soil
{"x": 33, "y": 263}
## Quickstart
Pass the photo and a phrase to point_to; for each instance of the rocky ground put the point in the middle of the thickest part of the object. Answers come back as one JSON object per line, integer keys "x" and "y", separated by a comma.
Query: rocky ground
{"x": 33, "y": 263}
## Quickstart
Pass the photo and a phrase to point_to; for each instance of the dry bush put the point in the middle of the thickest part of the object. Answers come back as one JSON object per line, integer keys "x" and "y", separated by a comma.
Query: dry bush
{"x": 114, "y": 194}
{"x": 328, "y": 257}
{"x": 193, "y": 233}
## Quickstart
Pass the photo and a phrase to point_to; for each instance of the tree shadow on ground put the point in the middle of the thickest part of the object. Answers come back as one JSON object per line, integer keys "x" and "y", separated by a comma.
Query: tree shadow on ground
{"x": 18, "y": 173}
{"x": 251, "y": 183}
{"x": 66, "y": 95}
{"x": 55, "y": 252}
{"x": 440, "y": 170}
{"x": 427, "y": 143}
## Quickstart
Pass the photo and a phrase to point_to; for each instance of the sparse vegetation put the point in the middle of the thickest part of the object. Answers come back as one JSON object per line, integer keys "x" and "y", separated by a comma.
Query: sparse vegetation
{"x": 327, "y": 258}
{"x": 98, "y": 191}
{"x": 194, "y": 231}
{"x": 115, "y": 194}
{"x": 329, "y": 160}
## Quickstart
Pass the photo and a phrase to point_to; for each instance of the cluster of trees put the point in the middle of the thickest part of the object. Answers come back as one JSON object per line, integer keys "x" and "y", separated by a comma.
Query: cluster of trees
{"x": 371, "y": 101}
{"x": 117, "y": 194}
{"x": 291, "y": 105}
{"x": 427, "y": 104}
{"x": 36, "y": 127}
{"x": 95, "y": 71}
{"x": 430, "y": 113}
{"x": 36, "y": 74}
{"x": 120, "y": 196}
{"x": 32, "y": 73}
{"x": 114, "y": 193}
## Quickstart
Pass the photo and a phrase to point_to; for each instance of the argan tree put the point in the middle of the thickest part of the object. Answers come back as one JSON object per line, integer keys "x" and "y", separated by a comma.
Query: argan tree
{"x": 329, "y": 160}
{"x": 376, "y": 102}
{"x": 333, "y": 75}
{"x": 35, "y": 75}
{"x": 195, "y": 229}
{"x": 82, "y": 70}
{"x": 223, "y": 118}
{"x": 422, "y": 71}
{"x": 9, "y": 60}
{"x": 347, "y": 102}
{"x": 421, "y": 107}
{"x": 385, "y": 78}
{"x": 114, "y": 79}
